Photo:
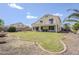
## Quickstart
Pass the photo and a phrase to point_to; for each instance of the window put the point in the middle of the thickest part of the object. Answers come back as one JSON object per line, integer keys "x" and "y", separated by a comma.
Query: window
{"x": 51, "y": 27}
{"x": 41, "y": 21}
{"x": 50, "y": 21}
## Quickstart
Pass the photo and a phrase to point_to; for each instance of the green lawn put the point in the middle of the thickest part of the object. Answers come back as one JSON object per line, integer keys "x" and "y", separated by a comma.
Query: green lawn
{"x": 48, "y": 40}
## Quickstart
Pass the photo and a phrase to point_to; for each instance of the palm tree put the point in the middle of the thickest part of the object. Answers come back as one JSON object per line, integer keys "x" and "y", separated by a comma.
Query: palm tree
{"x": 73, "y": 17}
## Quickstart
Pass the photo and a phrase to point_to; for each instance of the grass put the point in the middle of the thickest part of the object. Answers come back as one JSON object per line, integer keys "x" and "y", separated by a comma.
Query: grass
{"x": 48, "y": 40}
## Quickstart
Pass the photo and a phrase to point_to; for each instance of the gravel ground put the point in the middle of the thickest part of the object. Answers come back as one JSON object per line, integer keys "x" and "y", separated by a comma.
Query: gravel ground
{"x": 72, "y": 42}
{"x": 15, "y": 46}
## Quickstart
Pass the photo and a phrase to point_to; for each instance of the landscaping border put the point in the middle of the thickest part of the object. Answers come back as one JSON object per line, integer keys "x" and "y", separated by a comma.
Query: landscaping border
{"x": 37, "y": 44}
{"x": 65, "y": 48}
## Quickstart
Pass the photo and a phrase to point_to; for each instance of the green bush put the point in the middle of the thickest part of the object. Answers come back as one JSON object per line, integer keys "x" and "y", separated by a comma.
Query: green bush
{"x": 74, "y": 31}
{"x": 66, "y": 27}
{"x": 76, "y": 26}
{"x": 12, "y": 29}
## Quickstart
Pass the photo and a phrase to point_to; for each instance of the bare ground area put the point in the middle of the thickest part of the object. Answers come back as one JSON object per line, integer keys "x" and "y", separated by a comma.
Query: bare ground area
{"x": 72, "y": 42}
{"x": 15, "y": 46}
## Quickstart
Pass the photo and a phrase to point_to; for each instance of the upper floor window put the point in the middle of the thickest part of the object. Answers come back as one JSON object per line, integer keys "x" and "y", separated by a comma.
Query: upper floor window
{"x": 51, "y": 21}
{"x": 41, "y": 21}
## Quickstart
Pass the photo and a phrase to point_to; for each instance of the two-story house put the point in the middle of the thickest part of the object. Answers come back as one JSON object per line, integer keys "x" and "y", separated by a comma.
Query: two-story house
{"x": 46, "y": 23}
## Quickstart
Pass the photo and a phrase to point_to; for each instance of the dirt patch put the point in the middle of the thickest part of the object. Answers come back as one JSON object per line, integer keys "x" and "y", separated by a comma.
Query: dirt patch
{"x": 16, "y": 46}
{"x": 72, "y": 42}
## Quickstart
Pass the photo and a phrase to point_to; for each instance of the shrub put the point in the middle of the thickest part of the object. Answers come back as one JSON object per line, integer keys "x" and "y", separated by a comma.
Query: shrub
{"x": 12, "y": 29}
{"x": 74, "y": 31}
{"x": 76, "y": 26}
{"x": 66, "y": 27}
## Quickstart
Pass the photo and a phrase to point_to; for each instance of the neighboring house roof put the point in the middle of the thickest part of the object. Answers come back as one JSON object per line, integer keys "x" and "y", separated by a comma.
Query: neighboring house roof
{"x": 19, "y": 25}
{"x": 45, "y": 20}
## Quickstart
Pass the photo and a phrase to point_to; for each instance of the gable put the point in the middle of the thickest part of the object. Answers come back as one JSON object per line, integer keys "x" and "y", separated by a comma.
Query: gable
{"x": 45, "y": 20}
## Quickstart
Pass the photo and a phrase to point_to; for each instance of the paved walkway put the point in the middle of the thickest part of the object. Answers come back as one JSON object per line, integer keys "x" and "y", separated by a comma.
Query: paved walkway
{"x": 72, "y": 42}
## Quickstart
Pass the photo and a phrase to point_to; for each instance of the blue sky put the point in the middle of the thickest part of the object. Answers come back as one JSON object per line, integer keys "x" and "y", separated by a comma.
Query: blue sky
{"x": 28, "y": 13}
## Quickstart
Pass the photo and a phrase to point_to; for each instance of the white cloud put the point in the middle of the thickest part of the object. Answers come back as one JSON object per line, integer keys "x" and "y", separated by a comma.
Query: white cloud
{"x": 13, "y": 5}
{"x": 28, "y": 13}
{"x": 31, "y": 17}
{"x": 58, "y": 14}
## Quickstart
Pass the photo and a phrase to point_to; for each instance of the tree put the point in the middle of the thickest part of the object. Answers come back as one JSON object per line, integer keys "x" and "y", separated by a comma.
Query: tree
{"x": 73, "y": 17}
{"x": 12, "y": 29}
{"x": 1, "y": 24}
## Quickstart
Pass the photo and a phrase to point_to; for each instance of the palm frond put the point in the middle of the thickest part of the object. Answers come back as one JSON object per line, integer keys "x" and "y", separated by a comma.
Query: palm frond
{"x": 75, "y": 10}
{"x": 70, "y": 20}
{"x": 74, "y": 15}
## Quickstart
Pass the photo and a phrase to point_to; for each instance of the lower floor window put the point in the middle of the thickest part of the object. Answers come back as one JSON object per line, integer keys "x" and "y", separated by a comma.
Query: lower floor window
{"x": 51, "y": 27}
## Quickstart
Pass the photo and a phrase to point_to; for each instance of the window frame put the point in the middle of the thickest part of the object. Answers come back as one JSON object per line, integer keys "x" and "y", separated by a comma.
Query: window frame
{"x": 51, "y": 21}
